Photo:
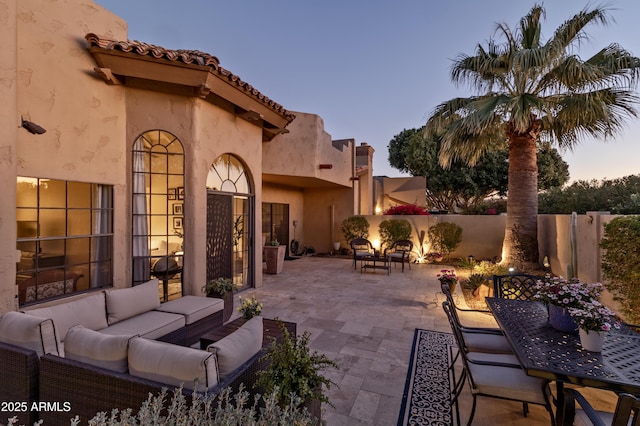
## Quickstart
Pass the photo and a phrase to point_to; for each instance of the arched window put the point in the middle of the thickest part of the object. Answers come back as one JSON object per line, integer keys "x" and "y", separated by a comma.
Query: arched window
{"x": 230, "y": 215}
{"x": 157, "y": 207}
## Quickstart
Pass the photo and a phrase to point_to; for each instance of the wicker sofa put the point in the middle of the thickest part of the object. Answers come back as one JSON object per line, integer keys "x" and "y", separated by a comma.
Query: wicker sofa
{"x": 26, "y": 336}
{"x": 88, "y": 389}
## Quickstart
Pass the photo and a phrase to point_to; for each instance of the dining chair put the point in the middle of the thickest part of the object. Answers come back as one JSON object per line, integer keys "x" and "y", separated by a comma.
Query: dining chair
{"x": 515, "y": 286}
{"x": 400, "y": 251}
{"x": 627, "y": 410}
{"x": 493, "y": 378}
{"x": 361, "y": 248}
{"x": 477, "y": 339}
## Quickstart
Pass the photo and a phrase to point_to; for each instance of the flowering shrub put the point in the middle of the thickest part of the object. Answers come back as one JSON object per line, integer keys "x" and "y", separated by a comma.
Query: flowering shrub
{"x": 566, "y": 293}
{"x": 249, "y": 308}
{"x": 408, "y": 209}
{"x": 447, "y": 276}
{"x": 594, "y": 316}
{"x": 434, "y": 255}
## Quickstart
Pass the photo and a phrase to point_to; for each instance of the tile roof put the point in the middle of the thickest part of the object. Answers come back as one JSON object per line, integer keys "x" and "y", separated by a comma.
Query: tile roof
{"x": 192, "y": 57}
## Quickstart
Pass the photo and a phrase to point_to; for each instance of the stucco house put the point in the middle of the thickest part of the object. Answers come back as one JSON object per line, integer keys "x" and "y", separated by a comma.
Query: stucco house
{"x": 132, "y": 161}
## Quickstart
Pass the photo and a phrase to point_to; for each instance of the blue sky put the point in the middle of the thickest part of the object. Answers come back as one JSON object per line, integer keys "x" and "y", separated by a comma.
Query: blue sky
{"x": 371, "y": 68}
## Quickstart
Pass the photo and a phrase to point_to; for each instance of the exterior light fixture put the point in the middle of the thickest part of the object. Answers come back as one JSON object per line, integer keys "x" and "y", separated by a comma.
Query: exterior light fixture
{"x": 326, "y": 166}
{"x": 32, "y": 127}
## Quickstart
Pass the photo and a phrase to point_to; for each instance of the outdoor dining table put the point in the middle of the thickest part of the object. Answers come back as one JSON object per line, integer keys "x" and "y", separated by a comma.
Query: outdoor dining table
{"x": 557, "y": 356}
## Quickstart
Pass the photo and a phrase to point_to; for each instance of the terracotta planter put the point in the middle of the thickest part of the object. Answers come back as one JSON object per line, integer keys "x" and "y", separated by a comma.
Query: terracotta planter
{"x": 592, "y": 340}
{"x": 228, "y": 303}
{"x": 274, "y": 255}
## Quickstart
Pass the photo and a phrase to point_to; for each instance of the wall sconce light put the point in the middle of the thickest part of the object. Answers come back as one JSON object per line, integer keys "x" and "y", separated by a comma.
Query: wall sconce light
{"x": 32, "y": 127}
{"x": 326, "y": 166}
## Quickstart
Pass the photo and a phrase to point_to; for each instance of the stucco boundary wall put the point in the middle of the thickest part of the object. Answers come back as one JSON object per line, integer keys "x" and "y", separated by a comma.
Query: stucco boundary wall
{"x": 482, "y": 237}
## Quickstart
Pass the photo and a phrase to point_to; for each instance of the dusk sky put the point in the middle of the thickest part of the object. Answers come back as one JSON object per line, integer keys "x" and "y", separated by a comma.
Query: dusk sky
{"x": 371, "y": 68}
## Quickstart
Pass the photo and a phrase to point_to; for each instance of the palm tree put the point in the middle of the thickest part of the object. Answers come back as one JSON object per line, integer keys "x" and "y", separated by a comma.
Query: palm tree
{"x": 531, "y": 92}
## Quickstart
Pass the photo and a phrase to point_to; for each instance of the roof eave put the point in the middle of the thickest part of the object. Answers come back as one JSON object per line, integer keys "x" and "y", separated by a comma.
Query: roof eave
{"x": 205, "y": 82}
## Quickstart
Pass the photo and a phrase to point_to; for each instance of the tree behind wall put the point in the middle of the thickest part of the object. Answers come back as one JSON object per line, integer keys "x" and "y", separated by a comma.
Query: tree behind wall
{"x": 529, "y": 89}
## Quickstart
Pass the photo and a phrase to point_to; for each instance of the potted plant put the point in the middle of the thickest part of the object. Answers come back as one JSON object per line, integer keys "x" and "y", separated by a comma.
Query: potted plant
{"x": 294, "y": 370}
{"x": 222, "y": 288}
{"x": 560, "y": 294}
{"x": 594, "y": 320}
{"x": 449, "y": 277}
{"x": 249, "y": 307}
{"x": 274, "y": 254}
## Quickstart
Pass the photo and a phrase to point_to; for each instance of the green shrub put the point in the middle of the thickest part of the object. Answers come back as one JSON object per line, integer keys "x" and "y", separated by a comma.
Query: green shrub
{"x": 355, "y": 227}
{"x": 476, "y": 280}
{"x": 489, "y": 269}
{"x": 620, "y": 265}
{"x": 392, "y": 230}
{"x": 294, "y": 369}
{"x": 445, "y": 237}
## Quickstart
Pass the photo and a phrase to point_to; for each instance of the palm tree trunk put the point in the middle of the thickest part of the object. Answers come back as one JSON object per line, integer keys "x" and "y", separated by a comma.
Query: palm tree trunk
{"x": 520, "y": 245}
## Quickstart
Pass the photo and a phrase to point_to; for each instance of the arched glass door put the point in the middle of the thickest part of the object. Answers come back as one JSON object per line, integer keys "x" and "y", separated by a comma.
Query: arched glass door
{"x": 157, "y": 209}
{"x": 230, "y": 213}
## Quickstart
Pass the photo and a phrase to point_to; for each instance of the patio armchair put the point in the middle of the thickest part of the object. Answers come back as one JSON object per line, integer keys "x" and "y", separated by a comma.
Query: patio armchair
{"x": 627, "y": 406}
{"x": 400, "y": 251}
{"x": 515, "y": 286}
{"x": 362, "y": 248}
{"x": 492, "y": 377}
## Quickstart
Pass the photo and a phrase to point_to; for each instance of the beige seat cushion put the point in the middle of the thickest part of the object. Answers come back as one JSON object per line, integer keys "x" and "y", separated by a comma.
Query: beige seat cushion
{"x": 28, "y": 331}
{"x": 193, "y": 308}
{"x": 152, "y": 325}
{"x": 487, "y": 342}
{"x": 95, "y": 348}
{"x": 507, "y": 382}
{"x": 88, "y": 311}
{"x": 172, "y": 364}
{"x": 128, "y": 302}
{"x": 238, "y": 347}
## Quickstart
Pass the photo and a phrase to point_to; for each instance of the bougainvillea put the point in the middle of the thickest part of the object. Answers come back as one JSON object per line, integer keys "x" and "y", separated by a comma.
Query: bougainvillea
{"x": 408, "y": 209}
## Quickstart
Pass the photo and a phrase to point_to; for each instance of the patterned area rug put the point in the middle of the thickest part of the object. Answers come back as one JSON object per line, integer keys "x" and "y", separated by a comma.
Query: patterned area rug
{"x": 426, "y": 394}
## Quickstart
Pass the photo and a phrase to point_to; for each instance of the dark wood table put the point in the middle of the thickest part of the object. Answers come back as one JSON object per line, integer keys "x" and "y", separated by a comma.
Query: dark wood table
{"x": 553, "y": 355}
{"x": 271, "y": 330}
{"x": 377, "y": 261}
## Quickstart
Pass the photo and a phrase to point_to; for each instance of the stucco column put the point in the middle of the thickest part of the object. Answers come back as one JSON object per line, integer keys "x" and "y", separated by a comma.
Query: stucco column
{"x": 9, "y": 121}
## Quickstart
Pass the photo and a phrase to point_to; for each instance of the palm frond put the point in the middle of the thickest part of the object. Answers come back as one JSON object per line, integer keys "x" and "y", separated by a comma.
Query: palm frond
{"x": 572, "y": 30}
{"x": 599, "y": 114}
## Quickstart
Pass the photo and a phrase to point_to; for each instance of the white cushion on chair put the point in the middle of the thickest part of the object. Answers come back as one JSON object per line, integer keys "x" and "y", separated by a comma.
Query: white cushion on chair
{"x": 506, "y": 382}
{"x": 128, "y": 302}
{"x": 30, "y": 332}
{"x": 238, "y": 347}
{"x": 88, "y": 311}
{"x": 487, "y": 342}
{"x": 172, "y": 364}
{"x": 95, "y": 348}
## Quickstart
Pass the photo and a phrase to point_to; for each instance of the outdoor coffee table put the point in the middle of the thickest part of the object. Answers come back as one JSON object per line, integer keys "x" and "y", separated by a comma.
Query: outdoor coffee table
{"x": 271, "y": 329}
{"x": 375, "y": 262}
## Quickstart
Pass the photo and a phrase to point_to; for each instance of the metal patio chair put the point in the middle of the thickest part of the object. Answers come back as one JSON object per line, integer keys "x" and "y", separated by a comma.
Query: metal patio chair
{"x": 627, "y": 410}
{"x": 492, "y": 377}
{"x": 400, "y": 251}
{"x": 515, "y": 286}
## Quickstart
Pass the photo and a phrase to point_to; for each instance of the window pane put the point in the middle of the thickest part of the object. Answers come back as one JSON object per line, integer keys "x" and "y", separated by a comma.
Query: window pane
{"x": 176, "y": 164}
{"x": 52, "y": 248}
{"x": 79, "y": 195}
{"x": 101, "y": 273}
{"x": 26, "y": 192}
{"x": 53, "y": 193}
{"x": 101, "y": 248}
{"x": 79, "y": 222}
{"x": 53, "y": 222}
{"x": 159, "y": 204}
{"x": 102, "y": 222}
{"x": 78, "y": 251}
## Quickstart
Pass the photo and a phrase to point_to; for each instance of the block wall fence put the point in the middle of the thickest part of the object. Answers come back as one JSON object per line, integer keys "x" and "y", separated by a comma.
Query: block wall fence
{"x": 566, "y": 240}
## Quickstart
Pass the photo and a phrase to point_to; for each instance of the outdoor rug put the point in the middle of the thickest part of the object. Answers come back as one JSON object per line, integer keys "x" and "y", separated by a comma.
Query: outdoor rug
{"x": 426, "y": 398}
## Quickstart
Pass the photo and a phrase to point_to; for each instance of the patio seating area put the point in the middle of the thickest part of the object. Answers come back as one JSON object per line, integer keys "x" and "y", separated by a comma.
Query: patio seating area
{"x": 366, "y": 322}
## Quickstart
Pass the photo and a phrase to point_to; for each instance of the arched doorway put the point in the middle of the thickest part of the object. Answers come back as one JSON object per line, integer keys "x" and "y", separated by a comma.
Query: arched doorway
{"x": 230, "y": 217}
{"x": 157, "y": 211}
